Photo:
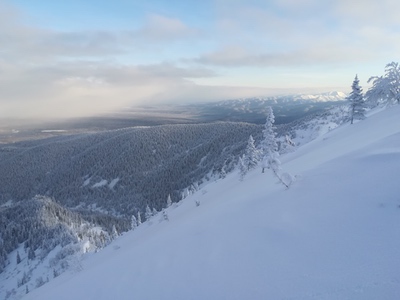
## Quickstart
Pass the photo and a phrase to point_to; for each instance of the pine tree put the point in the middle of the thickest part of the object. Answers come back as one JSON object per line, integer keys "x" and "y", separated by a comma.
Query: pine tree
{"x": 269, "y": 146}
{"x": 139, "y": 218}
{"x": 356, "y": 100}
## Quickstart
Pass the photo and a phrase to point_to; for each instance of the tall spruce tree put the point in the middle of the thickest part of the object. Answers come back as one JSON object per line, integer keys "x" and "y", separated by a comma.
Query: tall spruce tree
{"x": 356, "y": 101}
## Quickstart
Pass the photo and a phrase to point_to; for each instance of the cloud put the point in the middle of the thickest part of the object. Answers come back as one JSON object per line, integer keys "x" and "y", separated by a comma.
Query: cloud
{"x": 327, "y": 52}
{"x": 160, "y": 28}
{"x": 46, "y": 73}
{"x": 302, "y": 33}
{"x": 87, "y": 88}
{"x": 383, "y": 12}
{"x": 21, "y": 42}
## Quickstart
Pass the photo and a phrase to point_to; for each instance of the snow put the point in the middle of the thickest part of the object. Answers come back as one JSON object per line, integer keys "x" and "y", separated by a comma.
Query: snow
{"x": 113, "y": 182}
{"x": 335, "y": 234}
{"x": 101, "y": 183}
{"x": 87, "y": 181}
{"x": 7, "y": 204}
{"x": 324, "y": 97}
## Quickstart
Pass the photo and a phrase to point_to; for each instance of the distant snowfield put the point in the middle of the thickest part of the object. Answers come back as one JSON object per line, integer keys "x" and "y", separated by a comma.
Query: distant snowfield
{"x": 335, "y": 234}
{"x": 54, "y": 130}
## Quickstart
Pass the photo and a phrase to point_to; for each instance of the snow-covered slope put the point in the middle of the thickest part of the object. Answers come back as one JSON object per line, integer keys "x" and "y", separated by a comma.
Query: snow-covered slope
{"x": 335, "y": 234}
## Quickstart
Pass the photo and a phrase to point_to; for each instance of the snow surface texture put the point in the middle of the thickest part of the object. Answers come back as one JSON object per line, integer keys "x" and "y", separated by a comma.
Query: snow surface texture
{"x": 335, "y": 234}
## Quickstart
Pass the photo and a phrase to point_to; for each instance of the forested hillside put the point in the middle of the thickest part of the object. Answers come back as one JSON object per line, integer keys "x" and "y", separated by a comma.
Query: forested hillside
{"x": 40, "y": 226}
{"x": 121, "y": 171}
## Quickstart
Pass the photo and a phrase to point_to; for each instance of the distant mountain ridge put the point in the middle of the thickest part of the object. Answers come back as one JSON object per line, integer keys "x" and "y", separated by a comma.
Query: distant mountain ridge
{"x": 323, "y": 97}
{"x": 286, "y": 108}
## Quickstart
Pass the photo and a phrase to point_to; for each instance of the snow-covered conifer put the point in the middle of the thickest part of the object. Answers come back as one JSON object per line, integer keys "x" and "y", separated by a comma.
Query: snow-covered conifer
{"x": 251, "y": 154}
{"x": 148, "y": 214}
{"x": 269, "y": 146}
{"x": 18, "y": 258}
{"x": 139, "y": 218}
{"x": 385, "y": 89}
{"x": 222, "y": 173}
{"x": 154, "y": 212}
{"x": 185, "y": 193}
{"x": 393, "y": 76}
{"x": 134, "y": 222}
{"x": 356, "y": 101}
{"x": 114, "y": 232}
{"x": 287, "y": 145}
{"x": 169, "y": 201}
{"x": 242, "y": 168}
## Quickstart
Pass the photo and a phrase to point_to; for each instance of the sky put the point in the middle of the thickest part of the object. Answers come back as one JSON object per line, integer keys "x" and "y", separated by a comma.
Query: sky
{"x": 76, "y": 58}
